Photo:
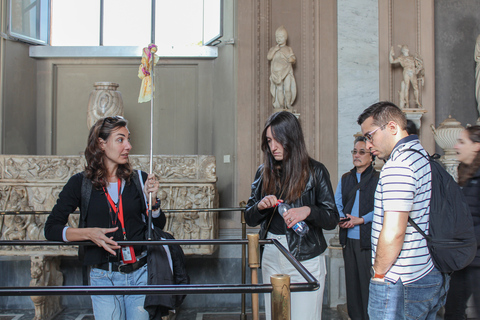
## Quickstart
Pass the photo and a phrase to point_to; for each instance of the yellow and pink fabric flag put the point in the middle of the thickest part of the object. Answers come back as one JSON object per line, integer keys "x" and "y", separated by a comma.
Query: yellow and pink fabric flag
{"x": 144, "y": 72}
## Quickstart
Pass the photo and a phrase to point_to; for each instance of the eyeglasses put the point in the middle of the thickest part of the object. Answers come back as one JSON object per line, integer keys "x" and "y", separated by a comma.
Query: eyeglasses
{"x": 111, "y": 120}
{"x": 360, "y": 152}
{"x": 369, "y": 135}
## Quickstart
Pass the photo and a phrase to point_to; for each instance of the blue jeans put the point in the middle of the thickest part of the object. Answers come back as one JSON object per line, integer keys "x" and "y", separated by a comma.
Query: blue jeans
{"x": 119, "y": 307}
{"x": 418, "y": 300}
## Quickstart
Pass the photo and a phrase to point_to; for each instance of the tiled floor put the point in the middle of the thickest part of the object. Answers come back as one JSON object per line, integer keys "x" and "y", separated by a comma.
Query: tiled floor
{"x": 86, "y": 314}
{"x": 67, "y": 314}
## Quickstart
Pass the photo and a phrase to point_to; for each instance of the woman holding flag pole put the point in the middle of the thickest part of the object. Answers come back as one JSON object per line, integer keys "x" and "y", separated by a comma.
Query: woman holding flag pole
{"x": 111, "y": 197}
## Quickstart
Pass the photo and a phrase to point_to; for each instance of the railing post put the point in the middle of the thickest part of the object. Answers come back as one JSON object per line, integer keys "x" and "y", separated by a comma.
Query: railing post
{"x": 280, "y": 296}
{"x": 254, "y": 264}
{"x": 243, "y": 315}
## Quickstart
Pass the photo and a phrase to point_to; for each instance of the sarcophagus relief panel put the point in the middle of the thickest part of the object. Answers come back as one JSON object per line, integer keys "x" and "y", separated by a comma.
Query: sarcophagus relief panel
{"x": 32, "y": 183}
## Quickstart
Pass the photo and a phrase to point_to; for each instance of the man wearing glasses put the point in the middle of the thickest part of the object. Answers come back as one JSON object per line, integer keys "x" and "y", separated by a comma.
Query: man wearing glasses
{"x": 354, "y": 199}
{"x": 405, "y": 283}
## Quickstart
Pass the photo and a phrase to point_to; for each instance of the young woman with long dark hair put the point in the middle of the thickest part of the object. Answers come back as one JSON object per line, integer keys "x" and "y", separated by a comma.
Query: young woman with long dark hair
{"x": 289, "y": 174}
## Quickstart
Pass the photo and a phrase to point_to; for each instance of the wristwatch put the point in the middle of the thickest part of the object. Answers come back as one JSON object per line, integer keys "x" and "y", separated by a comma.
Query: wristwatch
{"x": 376, "y": 275}
{"x": 156, "y": 206}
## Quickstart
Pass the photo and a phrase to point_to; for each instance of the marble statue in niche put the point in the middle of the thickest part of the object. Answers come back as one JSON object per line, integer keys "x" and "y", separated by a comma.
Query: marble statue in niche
{"x": 413, "y": 74}
{"x": 477, "y": 75}
{"x": 282, "y": 81}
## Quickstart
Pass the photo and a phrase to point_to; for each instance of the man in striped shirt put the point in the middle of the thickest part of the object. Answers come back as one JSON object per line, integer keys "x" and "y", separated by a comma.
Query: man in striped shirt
{"x": 405, "y": 283}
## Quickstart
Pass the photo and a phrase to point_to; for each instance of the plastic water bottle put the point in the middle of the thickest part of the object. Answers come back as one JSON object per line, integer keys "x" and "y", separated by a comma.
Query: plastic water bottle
{"x": 301, "y": 227}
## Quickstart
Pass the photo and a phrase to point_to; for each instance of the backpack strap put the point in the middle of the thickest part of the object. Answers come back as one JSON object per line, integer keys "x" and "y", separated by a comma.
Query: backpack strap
{"x": 138, "y": 181}
{"x": 410, "y": 220}
{"x": 86, "y": 192}
{"x": 428, "y": 157}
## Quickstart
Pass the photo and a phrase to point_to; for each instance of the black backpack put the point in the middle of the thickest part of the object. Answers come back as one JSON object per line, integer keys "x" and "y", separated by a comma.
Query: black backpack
{"x": 451, "y": 240}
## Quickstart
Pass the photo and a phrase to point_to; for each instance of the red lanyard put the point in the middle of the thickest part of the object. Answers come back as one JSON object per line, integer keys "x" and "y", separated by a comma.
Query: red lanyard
{"x": 118, "y": 210}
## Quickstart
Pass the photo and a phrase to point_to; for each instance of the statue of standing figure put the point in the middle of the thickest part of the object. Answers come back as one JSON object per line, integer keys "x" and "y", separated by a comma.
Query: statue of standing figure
{"x": 282, "y": 82}
{"x": 477, "y": 75}
{"x": 413, "y": 72}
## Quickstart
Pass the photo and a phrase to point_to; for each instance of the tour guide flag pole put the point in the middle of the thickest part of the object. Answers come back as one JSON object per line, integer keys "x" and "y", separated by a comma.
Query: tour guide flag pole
{"x": 146, "y": 72}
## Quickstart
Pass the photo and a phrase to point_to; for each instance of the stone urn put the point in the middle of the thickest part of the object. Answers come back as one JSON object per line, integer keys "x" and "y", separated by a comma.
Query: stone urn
{"x": 105, "y": 101}
{"x": 446, "y": 137}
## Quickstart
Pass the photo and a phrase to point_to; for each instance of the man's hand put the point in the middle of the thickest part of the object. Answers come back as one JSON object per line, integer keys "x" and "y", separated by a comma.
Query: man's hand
{"x": 352, "y": 222}
{"x": 391, "y": 239}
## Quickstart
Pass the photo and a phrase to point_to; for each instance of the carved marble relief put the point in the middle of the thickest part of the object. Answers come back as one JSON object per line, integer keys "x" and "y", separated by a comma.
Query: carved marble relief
{"x": 33, "y": 183}
{"x": 45, "y": 271}
{"x": 29, "y": 183}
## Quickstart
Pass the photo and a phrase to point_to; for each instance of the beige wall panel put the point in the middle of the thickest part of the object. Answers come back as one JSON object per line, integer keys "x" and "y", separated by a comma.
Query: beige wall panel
{"x": 72, "y": 87}
{"x": 175, "y": 113}
{"x": 326, "y": 87}
{"x": 176, "y": 110}
{"x": 247, "y": 21}
{"x": 18, "y": 100}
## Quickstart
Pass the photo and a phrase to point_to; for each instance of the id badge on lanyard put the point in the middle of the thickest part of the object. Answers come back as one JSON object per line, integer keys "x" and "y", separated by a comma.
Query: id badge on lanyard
{"x": 128, "y": 254}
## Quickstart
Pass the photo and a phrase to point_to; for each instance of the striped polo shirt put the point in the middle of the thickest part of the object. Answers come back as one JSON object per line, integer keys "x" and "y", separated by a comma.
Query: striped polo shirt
{"x": 405, "y": 185}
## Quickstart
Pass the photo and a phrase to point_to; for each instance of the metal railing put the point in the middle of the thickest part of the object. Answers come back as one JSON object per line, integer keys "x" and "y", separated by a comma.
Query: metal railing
{"x": 311, "y": 283}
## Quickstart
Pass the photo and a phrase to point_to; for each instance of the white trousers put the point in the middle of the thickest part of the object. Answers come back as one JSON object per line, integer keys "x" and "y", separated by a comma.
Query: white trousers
{"x": 304, "y": 305}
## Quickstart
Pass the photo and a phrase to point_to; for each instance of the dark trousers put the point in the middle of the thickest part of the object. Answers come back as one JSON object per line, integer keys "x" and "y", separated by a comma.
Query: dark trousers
{"x": 463, "y": 284}
{"x": 357, "y": 278}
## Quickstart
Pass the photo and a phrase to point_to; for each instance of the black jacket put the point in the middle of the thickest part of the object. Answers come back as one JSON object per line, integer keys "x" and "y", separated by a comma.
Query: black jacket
{"x": 366, "y": 203}
{"x": 318, "y": 195}
{"x": 159, "y": 273}
{"x": 97, "y": 215}
{"x": 472, "y": 194}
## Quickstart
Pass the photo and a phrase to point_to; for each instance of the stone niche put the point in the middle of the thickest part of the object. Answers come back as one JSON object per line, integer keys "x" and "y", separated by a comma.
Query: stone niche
{"x": 32, "y": 183}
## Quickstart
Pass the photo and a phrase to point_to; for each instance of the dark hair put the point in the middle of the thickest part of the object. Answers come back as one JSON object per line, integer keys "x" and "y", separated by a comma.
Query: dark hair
{"x": 411, "y": 127}
{"x": 358, "y": 139}
{"x": 95, "y": 169}
{"x": 466, "y": 171}
{"x": 383, "y": 112}
{"x": 286, "y": 178}
{"x": 363, "y": 139}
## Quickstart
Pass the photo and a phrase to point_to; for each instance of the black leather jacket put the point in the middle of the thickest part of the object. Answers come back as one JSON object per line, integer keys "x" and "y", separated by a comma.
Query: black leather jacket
{"x": 472, "y": 194}
{"x": 318, "y": 195}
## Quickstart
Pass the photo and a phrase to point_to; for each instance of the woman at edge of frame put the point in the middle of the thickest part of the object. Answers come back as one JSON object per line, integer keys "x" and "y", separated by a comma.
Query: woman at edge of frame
{"x": 113, "y": 195}
{"x": 465, "y": 283}
{"x": 289, "y": 174}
